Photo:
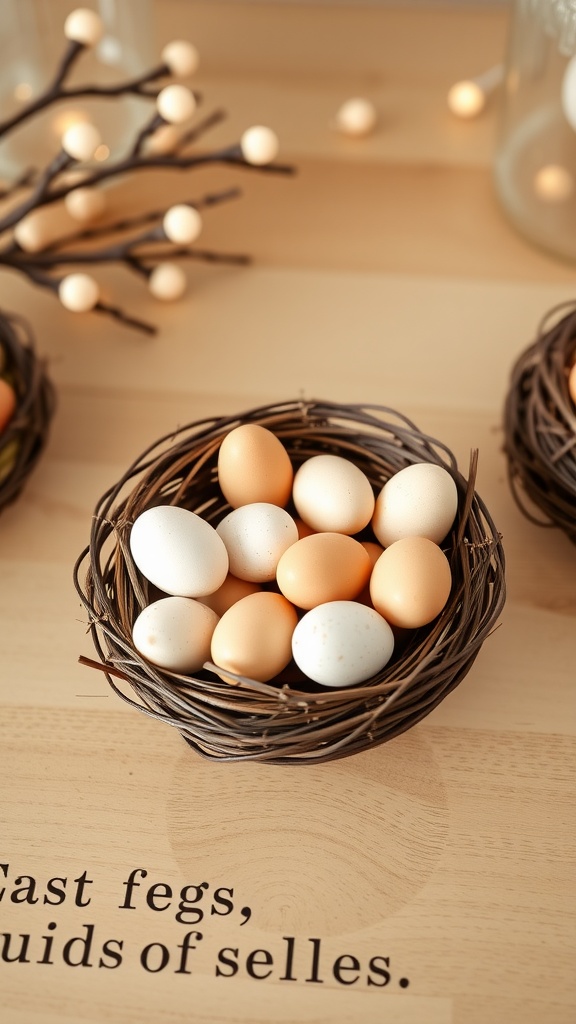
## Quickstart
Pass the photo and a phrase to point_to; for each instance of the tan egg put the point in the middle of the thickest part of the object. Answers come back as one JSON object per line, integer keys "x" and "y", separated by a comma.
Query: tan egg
{"x": 374, "y": 551}
{"x": 254, "y": 637}
{"x": 253, "y": 466}
{"x": 7, "y": 403}
{"x": 231, "y": 591}
{"x": 410, "y": 583}
{"x": 332, "y": 494}
{"x": 175, "y": 633}
{"x": 323, "y": 567}
{"x": 303, "y": 529}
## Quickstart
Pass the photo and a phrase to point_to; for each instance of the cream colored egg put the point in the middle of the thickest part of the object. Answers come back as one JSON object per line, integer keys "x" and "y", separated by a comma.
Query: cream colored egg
{"x": 342, "y": 643}
{"x": 420, "y": 500}
{"x": 231, "y": 591}
{"x": 254, "y": 637}
{"x": 256, "y": 536}
{"x": 323, "y": 567}
{"x": 332, "y": 494}
{"x": 253, "y": 465}
{"x": 411, "y": 582}
{"x": 178, "y": 551}
{"x": 175, "y": 633}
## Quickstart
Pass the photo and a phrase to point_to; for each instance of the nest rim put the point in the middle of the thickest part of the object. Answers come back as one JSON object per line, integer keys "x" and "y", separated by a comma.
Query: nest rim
{"x": 282, "y": 722}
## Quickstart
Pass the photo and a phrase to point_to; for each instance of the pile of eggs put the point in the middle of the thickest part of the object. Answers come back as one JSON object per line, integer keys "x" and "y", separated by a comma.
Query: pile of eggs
{"x": 326, "y": 586}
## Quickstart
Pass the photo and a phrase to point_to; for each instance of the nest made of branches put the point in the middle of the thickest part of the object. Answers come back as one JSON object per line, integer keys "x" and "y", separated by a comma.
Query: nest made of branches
{"x": 25, "y": 436}
{"x": 289, "y": 720}
{"x": 540, "y": 424}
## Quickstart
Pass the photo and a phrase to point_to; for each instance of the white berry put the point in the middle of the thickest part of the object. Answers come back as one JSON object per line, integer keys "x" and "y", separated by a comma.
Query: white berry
{"x": 182, "y": 224}
{"x": 84, "y": 26}
{"x": 259, "y": 145}
{"x": 356, "y": 117}
{"x": 81, "y": 141}
{"x": 180, "y": 57}
{"x": 85, "y": 204}
{"x": 167, "y": 282}
{"x": 164, "y": 139}
{"x": 175, "y": 103}
{"x": 78, "y": 292}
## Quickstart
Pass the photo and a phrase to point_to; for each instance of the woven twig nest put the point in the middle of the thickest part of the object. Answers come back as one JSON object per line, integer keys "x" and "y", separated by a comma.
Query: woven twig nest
{"x": 24, "y": 438}
{"x": 540, "y": 425}
{"x": 290, "y": 719}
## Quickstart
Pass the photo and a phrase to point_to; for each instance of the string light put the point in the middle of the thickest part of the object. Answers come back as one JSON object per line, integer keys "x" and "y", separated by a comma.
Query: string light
{"x": 467, "y": 98}
{"x": 356, "y": 117}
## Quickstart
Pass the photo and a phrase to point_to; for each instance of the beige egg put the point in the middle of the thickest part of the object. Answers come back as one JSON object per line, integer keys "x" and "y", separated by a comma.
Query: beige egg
{"x": 374, "y": 551}
{"x": 332, "y": 494}
{"x": 253, "y": 465}
{"x": 420, "y": 500}
{"x": 175, "y": 633}
{"x": 410, "y": 583}
{"x": 256, "y": 536}
{"x": 254, "y": 637}
{"x": 323, "y": 567}
{"x": 231, "y": 591}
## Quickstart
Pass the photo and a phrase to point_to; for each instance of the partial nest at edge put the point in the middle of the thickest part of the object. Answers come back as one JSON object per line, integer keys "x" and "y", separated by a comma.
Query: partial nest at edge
{"x": 25, "y": 436}
{"x": 540, "y": 424}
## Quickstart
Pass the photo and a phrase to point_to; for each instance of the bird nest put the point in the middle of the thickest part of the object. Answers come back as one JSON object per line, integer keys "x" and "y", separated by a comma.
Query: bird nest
{"x": 290, "y": 719}
{"x": 540, "y": 424}
{"x": 24, "y": 438}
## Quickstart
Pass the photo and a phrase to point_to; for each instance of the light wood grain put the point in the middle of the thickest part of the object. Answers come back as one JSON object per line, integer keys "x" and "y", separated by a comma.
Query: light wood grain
{"x": 384, "y": 272}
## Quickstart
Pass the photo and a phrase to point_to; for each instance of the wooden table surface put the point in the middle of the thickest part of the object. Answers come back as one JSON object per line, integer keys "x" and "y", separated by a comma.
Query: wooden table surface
{"x": 441, "y": 862}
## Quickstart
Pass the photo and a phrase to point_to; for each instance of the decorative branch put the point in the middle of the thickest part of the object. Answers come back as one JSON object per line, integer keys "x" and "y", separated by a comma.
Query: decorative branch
{"x": 35, "y": 242}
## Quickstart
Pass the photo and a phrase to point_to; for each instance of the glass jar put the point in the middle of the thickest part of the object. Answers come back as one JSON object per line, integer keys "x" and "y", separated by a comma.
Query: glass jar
{"x": 32, "y": 43}
{"x": 535, "y": 158}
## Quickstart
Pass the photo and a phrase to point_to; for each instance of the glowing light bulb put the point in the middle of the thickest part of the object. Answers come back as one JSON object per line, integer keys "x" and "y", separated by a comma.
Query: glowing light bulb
{"x": 180, "y": 57}
{"x": 175, "y": 103}
{"x": 356, "y": 117}
{"x": 81, "y": 141}
{"x": 259, "y": 145}
{"x": 78, "y": 292}
{"x": 553, "y": 183}
{"x": 467, "y": 98}
{"x": 84, "y": 26}
{"x": 167, "y": 282}
{"x": 182, "y": 224}
{"x": 85, "y": 204}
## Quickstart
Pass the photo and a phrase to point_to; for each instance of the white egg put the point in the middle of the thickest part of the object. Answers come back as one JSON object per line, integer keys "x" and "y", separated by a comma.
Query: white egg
{"x": 256, "y": 536}
{"x": 420, "y": 500}
{"x": 175, "y": 633}
{"x": 342, "y": 643}
{"x": 333, "y": 495}
{"x": 178, "y": 551}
